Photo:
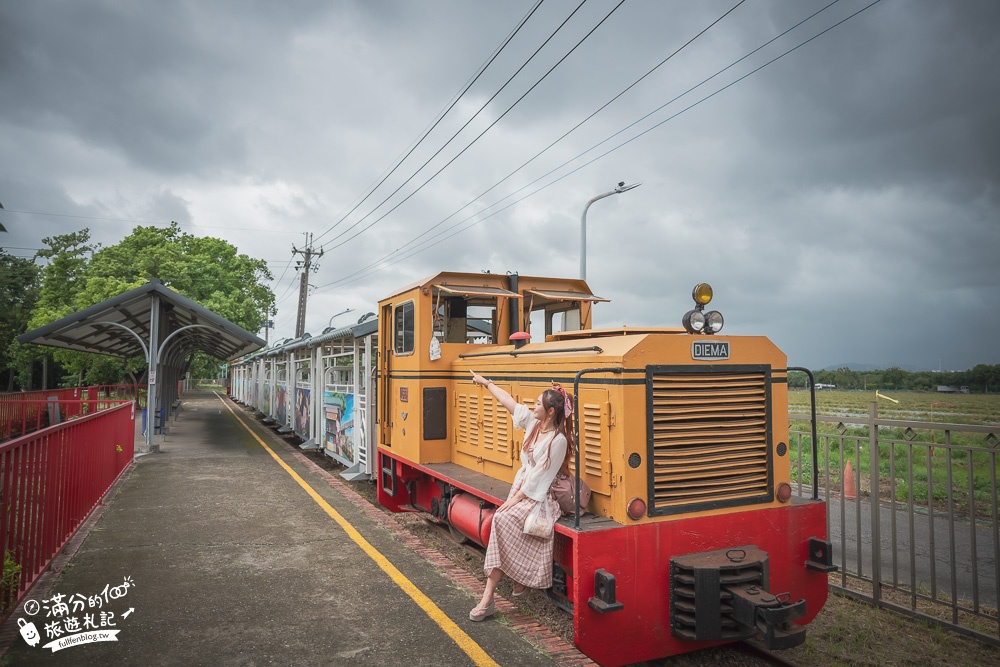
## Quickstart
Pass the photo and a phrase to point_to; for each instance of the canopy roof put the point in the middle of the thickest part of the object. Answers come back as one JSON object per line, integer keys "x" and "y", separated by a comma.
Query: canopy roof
{"x": 99, "y": 328}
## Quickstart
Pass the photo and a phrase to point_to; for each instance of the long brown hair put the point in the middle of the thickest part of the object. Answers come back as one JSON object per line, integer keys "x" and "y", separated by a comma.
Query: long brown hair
{"x": 553, "y": 398}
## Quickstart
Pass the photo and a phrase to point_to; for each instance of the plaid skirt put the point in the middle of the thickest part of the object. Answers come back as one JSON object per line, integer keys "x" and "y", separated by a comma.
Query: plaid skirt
{"x": 524, "y": 558}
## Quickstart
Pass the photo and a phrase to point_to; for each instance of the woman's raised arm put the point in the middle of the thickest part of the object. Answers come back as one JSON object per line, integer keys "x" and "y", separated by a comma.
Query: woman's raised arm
{"x": 502, "y": 396}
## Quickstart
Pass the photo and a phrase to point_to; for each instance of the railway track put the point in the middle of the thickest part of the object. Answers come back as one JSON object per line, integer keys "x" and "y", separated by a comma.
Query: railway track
{"x": 766, "y": 657}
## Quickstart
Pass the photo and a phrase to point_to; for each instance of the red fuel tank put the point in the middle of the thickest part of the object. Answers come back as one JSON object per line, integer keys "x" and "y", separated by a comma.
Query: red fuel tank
{"x": 469, "y": 517}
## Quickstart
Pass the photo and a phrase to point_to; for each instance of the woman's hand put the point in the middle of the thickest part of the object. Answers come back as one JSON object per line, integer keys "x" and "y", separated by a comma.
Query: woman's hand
{"x": 500, "y": 394}
{"x": 510, "y": 502}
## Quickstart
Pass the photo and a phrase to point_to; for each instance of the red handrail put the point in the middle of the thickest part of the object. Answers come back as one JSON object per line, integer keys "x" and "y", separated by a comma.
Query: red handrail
{"x": 24, "y": 412}
{"x": 51, "y": 480}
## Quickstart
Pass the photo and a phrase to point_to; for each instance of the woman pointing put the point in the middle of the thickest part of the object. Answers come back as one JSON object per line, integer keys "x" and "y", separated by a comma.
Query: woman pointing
{"x": 547, "y": 447}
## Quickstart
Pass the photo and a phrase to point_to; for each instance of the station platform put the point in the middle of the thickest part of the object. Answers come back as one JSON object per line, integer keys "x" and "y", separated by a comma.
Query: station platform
{"x": 228, "y": 546}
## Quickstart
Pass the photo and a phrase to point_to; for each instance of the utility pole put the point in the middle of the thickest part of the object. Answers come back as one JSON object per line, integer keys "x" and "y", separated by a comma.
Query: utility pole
{"x": 306, "y": 265}
{"x": 268, "y": 325}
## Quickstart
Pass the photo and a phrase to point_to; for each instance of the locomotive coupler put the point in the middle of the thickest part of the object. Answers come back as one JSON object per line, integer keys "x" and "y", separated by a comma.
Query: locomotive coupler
{"x": 771, "y": 615}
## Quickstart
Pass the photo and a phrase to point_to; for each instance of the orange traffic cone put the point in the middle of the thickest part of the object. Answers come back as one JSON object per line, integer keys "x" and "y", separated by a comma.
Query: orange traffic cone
{"x": 850, "y": 491}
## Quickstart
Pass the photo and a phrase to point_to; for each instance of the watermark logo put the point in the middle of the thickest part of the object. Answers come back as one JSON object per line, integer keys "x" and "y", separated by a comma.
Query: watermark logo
{"x": 76, "y": 619}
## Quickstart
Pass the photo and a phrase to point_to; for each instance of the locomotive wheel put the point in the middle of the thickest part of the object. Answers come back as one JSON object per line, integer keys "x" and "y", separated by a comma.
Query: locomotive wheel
{"x": 457, "y": 537}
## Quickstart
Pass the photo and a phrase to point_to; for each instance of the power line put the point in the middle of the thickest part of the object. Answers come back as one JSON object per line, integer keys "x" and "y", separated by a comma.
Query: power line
{"x": 547, "y": 148}
{"x": 459, "y": 131}
{"x": 570, "y": 131}
{"x": 428, "y": 244}
{"x": 516, "y": 102}
{"x": 627, "y": 127}
{"x": 440, "y": 116}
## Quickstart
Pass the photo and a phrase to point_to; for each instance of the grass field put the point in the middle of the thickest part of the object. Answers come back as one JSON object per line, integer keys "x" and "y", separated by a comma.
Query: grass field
{"x": 980, "y": 409}
{"x": 931, "y": 462}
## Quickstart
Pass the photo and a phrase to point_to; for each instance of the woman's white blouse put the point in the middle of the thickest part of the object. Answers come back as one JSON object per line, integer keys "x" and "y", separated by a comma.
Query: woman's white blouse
{"x": 540, "y": 466}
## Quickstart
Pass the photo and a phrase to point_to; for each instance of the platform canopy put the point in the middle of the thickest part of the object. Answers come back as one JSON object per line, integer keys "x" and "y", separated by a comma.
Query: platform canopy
{"x": 115, "y": 327}
{"x": 154, "y": 322}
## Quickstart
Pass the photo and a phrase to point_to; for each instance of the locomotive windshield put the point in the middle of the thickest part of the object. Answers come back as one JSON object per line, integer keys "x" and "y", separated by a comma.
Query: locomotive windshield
{"x": 468, "y": 314}
{"x": 552, "y": 311}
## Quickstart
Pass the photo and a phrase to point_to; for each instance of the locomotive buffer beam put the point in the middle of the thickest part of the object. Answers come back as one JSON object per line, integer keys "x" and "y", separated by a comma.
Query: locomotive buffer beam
{"x": 771, "y": 615}
{"x": 722, "y": 595}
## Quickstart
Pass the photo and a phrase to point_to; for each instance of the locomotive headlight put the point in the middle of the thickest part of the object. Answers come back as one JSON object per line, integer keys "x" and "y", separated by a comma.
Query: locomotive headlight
{"x": 702, "y": 294}
{"x": 697, "y": 320}
{"x": 713, "y": 322}
{"x": 694, "y": 321}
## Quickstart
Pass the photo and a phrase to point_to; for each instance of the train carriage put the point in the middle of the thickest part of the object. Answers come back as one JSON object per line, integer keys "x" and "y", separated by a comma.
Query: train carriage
{"x": 330, "y": 404}
{"x": 692, "y": 536}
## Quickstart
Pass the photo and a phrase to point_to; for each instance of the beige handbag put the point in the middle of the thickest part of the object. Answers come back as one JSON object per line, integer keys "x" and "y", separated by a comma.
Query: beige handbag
{"x": 539, "y": 522}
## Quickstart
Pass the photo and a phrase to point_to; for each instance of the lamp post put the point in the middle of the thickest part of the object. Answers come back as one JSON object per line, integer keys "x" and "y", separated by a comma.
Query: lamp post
{"x": 332, "y": 317}
{"x": 620, "y": 188}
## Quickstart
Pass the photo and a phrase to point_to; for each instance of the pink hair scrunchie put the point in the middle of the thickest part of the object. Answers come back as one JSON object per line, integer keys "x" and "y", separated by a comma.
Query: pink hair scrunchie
{"x": 567, "y": 398}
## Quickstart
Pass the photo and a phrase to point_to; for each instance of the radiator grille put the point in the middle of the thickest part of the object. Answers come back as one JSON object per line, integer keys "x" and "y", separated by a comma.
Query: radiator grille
{"x": 709, "y": 439}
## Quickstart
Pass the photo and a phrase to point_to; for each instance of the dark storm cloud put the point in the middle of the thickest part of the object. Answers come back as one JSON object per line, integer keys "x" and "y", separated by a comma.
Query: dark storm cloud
{"x": 843, "y": 200}
{"x": 140, "y": 79}
{"x": 899, "y": 96}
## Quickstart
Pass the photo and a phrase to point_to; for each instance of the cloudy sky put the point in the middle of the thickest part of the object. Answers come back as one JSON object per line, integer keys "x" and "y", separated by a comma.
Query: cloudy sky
{"x": 842, "y": 199}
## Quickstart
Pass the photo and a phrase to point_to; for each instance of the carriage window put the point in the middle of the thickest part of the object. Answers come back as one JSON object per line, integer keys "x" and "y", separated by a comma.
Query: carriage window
{"x": 404, "y": 328}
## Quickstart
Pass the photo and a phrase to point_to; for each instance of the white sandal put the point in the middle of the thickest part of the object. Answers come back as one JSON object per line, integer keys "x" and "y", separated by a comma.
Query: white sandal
{"x": 482, "y": 613}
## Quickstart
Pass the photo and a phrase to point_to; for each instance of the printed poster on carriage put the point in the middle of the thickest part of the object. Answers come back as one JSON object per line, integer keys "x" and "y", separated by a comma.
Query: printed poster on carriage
{"x": 302, "y": 405}
{"x": 338, "y": 441}
{"x": 281, "y": 405}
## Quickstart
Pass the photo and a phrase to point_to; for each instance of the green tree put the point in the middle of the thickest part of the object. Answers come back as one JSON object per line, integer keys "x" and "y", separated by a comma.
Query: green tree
{"x": 63, "y": 280}
{"x": 894, "y": 378}
{"x": 982, "y": 377}
{"x": 922, "y": 381}
{"x": 19, "y": 281}
{"x": 63, "y": 276}
{"x": 209, "y": 271}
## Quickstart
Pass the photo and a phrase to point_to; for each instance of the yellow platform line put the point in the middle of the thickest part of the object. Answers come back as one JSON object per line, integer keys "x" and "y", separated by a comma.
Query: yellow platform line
{"x": 464, "y": 641}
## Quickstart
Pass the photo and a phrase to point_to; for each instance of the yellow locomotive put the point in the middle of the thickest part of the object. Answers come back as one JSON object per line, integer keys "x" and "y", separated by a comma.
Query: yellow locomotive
{"x": 682, "y": 435}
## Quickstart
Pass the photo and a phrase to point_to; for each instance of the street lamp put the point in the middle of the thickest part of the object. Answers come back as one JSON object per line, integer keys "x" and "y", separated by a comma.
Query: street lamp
{"x": 620, "y": 188}
{"x": 332, "y": 317}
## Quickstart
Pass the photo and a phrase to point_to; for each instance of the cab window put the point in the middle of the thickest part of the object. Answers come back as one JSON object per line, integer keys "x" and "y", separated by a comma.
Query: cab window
{"x": 469, "y": 314}
{"x": 404, "y": 328}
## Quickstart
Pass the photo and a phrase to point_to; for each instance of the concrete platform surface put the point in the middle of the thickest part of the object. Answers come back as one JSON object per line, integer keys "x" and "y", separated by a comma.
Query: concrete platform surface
{"x": 210, "y": 553}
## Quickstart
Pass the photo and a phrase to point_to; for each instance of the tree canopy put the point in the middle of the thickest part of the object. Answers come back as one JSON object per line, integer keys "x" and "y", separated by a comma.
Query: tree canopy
{"x": 19, "y": 280}
{"x": 77, "y": 274}
{"x": 980, "y": 379}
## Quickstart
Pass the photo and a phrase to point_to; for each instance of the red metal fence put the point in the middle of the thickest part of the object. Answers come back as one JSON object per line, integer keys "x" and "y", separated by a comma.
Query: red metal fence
{"x": 50, "y": 481}
{"x": 25, "y": 412}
